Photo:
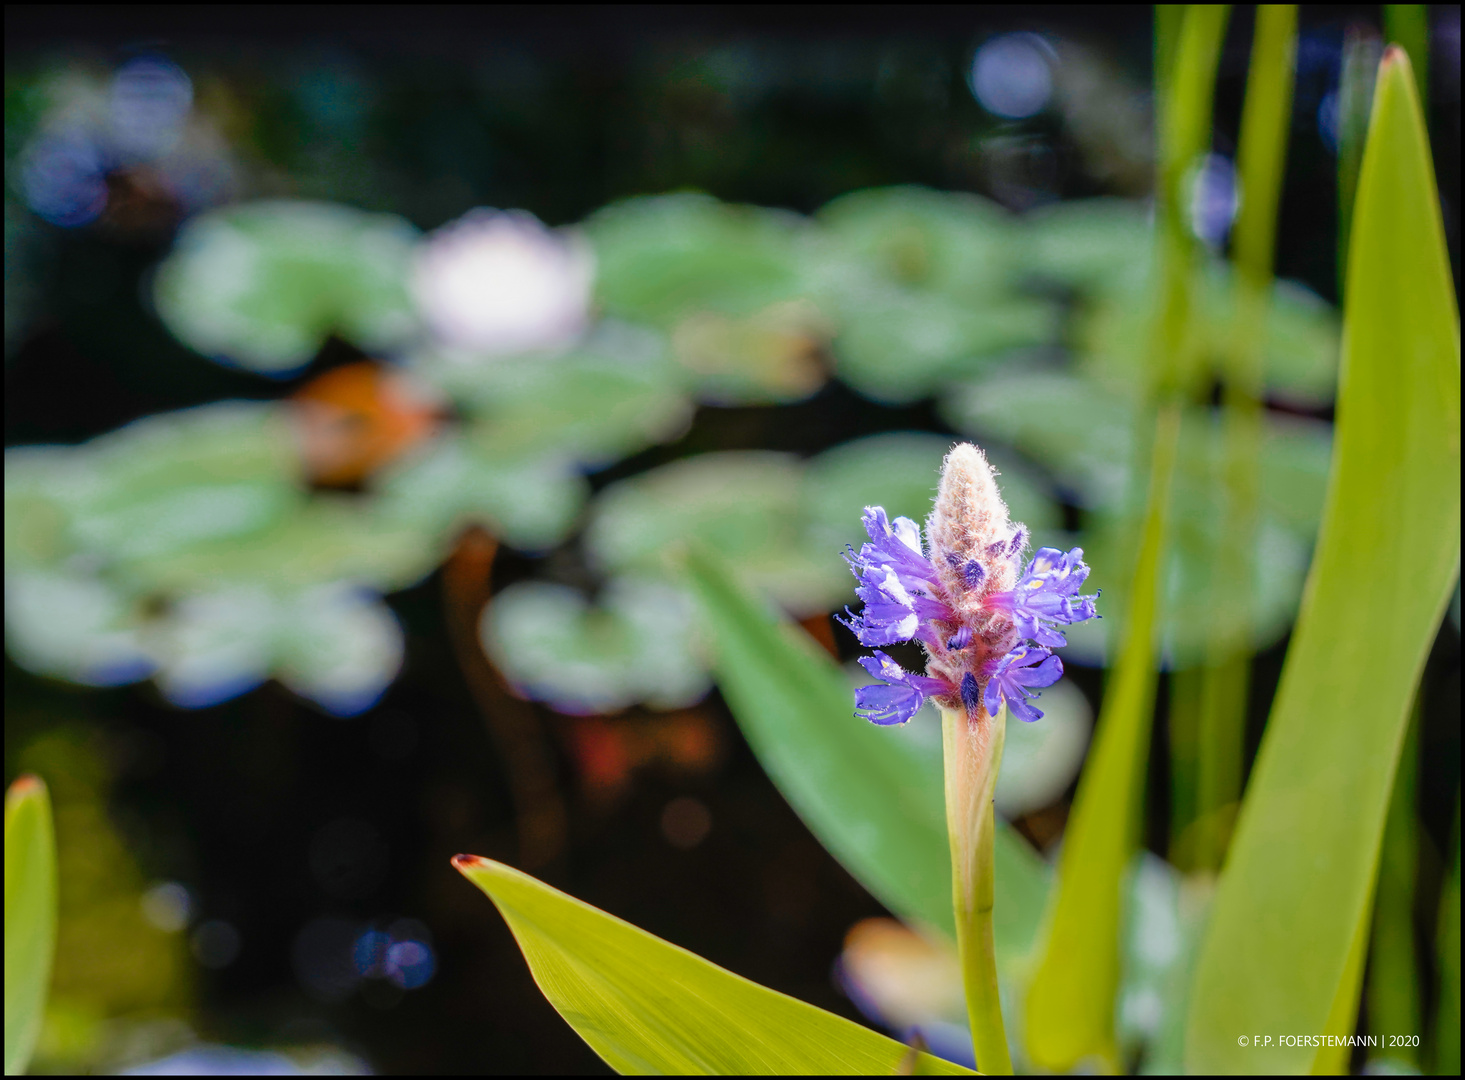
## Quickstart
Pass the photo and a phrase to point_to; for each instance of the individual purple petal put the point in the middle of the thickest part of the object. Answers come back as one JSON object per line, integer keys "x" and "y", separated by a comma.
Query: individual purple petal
{"x": 1025, "y": 666}
{"x": 880, "y": 666}
{"x": 901, "y": 694}
{"x": 897, "y": 583}
{"x": 897, "y": 546}
{"x": 1037, "y": 668}
{"x": 1046, "y": 594}
{"x": 889, "y": 615}
{"x": 884, "y": 704}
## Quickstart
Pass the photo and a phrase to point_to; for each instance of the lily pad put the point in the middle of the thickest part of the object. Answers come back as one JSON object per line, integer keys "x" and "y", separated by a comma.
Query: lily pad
{"x": 900, "y": 347}
{"x": 663, "y": 258}
{"x": 638, "y": 644}
{"x": 334, "y": 644}
{"x": 262, "y": 284}
{"x": 1088, "y": 244}
{"x": 616, "y": 394}
{"x": 772, "y": 356}
{"x": 914, "y": 238}
{"x": 73, "y": 626}
{"x": 745, "y": 505}
{"x": 921, "y": 283}
{"x": 183, "y": 546}
{"x": 153, "y": 487}
{"x": 531, "y": 503}
{"x": 329, "y": 538}
{"x": 1082, "y": 433}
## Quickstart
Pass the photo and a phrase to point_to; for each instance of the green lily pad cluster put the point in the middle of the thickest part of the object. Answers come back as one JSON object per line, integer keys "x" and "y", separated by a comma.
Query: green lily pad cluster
{"x": 638, "y": 644}
{"x": 262, "y": 285}
{"x": 184, "y": 547}
{"x": 891, "y": 290}
{"x": 1086, "y": 437}
{"x": 530, "y": 430}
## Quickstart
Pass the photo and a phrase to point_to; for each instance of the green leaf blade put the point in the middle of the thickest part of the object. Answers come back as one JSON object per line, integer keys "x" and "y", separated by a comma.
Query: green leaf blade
{"x": 649, "y": 1007}
{"x": 1281, "y": 952}
{"x": 30, "y": 916}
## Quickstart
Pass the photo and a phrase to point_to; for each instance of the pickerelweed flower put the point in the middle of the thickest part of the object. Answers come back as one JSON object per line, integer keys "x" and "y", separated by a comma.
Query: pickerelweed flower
{"x": 987, "y": 629}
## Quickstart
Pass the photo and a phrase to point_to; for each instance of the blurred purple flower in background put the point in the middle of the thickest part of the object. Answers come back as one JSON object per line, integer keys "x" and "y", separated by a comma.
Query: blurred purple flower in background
{"x": 143, "y": 125}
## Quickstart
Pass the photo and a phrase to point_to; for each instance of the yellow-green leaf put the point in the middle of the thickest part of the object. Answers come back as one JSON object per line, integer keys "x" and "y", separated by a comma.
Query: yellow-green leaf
{"x": 652, "y": 1008}
{"x": 1282, "y": 950}
{"x": 30, "y": 916}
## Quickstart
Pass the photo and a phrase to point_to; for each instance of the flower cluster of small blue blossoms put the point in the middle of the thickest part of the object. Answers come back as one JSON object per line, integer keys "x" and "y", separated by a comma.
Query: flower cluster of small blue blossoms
{"x": 987, "y": 631}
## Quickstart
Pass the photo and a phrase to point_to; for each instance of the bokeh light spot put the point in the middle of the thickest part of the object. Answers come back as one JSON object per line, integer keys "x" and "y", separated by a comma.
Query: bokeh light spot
{"x": 1011, "y": 76}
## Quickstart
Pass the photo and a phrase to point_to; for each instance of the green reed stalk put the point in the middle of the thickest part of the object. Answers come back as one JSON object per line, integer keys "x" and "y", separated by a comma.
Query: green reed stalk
{"x": 1226, "y": 675}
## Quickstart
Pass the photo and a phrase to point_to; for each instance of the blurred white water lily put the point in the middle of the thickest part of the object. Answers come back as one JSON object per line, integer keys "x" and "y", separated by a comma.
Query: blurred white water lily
{"x": 500, "y": 283}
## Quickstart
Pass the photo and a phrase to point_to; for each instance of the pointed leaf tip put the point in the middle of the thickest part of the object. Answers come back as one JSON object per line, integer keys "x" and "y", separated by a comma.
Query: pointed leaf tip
{"x": 465, "y": 863}
{"x": 27, "y": 784}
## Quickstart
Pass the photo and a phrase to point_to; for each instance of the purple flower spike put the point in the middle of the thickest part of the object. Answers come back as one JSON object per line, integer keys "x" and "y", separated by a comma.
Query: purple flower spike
{"x": 1024, "y": 667}
{"x": 901, "y": 694}
{"x": 1046, "y": 594}
{"x": 987, "y": 626}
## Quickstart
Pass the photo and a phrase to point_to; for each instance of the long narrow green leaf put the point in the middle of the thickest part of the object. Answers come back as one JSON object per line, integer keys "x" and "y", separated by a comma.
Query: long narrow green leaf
{"x": 1294, "y": 897}
{"x": 1261, "y": 158}
{"x": 652, "y": 1008}
{"x": 1070, "y": 1002}
{"x": 873, "y": 796}
{"x": 30, "y": 916}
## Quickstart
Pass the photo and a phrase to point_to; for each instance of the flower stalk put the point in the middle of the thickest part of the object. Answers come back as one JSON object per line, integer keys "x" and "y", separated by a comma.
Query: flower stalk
{"x": 972, "y": 751}
{"x": 988, "y": 628}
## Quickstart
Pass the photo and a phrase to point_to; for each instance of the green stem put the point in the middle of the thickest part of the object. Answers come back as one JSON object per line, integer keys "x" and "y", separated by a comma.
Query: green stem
{"x": 973, "y": 753}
